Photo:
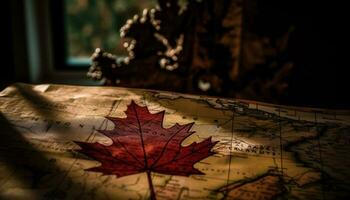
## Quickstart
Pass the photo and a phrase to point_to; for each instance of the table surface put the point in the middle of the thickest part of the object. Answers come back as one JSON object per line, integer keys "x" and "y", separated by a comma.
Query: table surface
{"x": 70, "y": 142}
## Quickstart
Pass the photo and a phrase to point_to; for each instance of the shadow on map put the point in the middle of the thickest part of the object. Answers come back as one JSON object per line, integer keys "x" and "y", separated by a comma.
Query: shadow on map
{"x": 35, "y": 100}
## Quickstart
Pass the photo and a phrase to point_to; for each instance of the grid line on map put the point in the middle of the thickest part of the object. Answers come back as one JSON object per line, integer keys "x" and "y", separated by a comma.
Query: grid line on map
{"x": 320, "y": 155}
{"x": 280, "y": 134}
{"x": 231, "y": 150}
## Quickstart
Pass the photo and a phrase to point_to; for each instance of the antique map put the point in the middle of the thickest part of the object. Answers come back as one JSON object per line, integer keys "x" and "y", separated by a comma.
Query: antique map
{"x": 256, "y": 151}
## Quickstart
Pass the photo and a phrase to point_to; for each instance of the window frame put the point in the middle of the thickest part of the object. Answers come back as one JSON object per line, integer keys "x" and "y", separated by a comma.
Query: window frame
{"x": 39, "y": 44}
{"x": 59, "y": 39}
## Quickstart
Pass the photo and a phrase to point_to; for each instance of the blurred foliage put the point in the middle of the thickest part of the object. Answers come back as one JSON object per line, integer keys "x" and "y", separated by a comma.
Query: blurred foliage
{"x": 96, "y": 23}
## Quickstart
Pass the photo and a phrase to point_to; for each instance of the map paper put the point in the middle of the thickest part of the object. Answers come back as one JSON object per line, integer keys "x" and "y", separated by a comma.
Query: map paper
{"x": 262, "y": 151}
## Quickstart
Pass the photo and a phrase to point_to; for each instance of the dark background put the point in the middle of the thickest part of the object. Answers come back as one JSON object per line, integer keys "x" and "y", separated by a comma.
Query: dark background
{"x": 13, "y": 45}
{"x": 318, "y": 47}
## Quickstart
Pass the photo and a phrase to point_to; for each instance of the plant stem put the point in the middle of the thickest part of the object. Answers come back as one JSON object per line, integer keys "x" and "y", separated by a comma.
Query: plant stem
{"x": 150, "y": 184}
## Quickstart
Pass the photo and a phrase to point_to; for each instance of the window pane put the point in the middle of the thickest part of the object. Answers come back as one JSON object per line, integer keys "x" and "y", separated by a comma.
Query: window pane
{"x": 96, "y": 23}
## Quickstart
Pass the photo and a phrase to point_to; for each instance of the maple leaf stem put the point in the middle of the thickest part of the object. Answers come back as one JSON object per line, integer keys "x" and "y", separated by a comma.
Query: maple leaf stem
{"x": 150, "y": 184}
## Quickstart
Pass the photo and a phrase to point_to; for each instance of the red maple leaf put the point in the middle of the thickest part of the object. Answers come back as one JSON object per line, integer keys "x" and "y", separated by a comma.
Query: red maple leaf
{"x": 140, "y": 143}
